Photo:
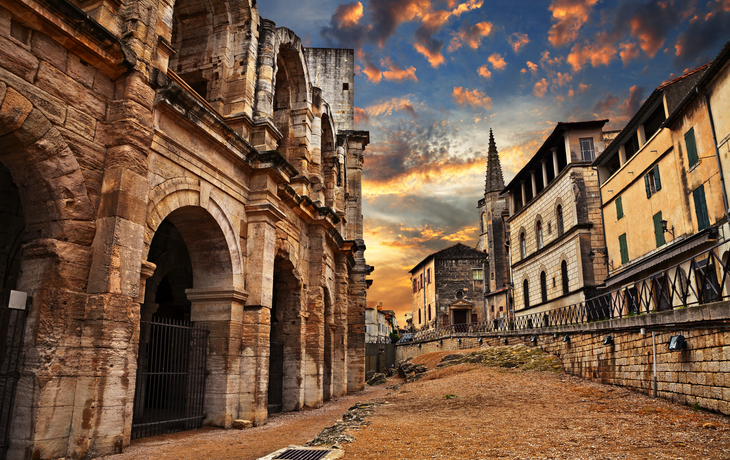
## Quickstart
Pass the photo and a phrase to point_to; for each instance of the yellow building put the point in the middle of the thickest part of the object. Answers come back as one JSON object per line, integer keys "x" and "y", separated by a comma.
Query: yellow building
{"x": 663, "y": 200}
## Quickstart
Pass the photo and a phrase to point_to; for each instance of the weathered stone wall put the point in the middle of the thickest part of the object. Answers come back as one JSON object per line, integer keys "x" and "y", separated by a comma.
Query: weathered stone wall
{"x": 333, "y": 70}
{"x": 699, "y": 374}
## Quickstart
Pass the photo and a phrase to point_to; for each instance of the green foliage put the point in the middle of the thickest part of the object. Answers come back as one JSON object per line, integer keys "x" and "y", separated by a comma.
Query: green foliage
{"x": 450, "y": 396}
{"x": 696, "y": 406}
{"x": 394, "y": 337}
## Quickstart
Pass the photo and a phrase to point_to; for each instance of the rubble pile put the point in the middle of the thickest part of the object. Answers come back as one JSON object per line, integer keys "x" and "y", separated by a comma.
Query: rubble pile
{"x": 514, "y": 356}
{"x": 353, "y": 418}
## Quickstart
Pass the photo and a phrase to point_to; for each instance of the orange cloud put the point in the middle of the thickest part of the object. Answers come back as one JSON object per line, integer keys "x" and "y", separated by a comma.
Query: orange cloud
{"x": 475, "y": 34}
{"x": 532, "y": 66}
{"x": 571, "y": 93}
{"x": 473, "y": 98}
{"x": 650, "y": 40}
{"x": 582, "y": 87}
{"x": 596, "y": 53}
{"x": 540, "y": 88}
{"x": 562, "y": 79}
{"x": 546, "y": 61}
{"x": 518, "y": 41}
{"x": 397, "y": 73}
{"x": 483, "y": 71}
{"x": 569, "y": 17}
{"x": 387, "y": 107}
{"x": 349, "y": 14}
{"x": 434, "y": 58}
{"x": 361, "y": 117}
{"x": 497, "y": 61}
{"x": 467, "y": 6}
{"x": 629, "y": 51}
{"x": 463, "y": 234}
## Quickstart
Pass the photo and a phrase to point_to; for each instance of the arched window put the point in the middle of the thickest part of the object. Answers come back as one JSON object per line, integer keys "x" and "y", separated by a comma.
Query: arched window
{"x": 538, "y": 230}
{"x": 559, "y": 219}
{"x": 526, "y": 293}
{"x": 543, "y": 286}
{"x": 523, "y": 245}
{"x": 564, "y": 275}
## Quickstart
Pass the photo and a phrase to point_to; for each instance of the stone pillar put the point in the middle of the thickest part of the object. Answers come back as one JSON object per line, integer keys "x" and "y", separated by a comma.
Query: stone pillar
{"x": 315, "y": 325}
{"x": 254, "y": 365}
{"x": 533, "y": 182}
{"x": 568, "y": 154}
{"x": 511, "y": 196}
{"x": 261, "y": 241}
{"x": 556, "y": 168}
{"x": 339, "y": 341}
{"x": 356, "y": 321}
{"x": 544, "y": 173}
{"x": 622, "y": 154}
{"x": 265, "y": 65}
{"x": 524, "y": 195}
{"x": 641, "y": 135}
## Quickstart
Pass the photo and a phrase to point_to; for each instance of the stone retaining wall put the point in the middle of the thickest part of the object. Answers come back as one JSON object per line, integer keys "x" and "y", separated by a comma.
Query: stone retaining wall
{"x": 699, "y": 374}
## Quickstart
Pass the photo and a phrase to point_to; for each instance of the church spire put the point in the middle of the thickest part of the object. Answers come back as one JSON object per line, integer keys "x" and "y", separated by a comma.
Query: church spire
{"x": 494, "y": 181}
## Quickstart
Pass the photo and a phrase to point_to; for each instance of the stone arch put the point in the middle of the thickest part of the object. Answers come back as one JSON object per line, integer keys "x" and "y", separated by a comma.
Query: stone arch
{"x": 559, "y": 213}
{"x": 539, "y": 229}
{"x": 522, "y": 243}
{"x": 562, "y": 269}
{"x": 208, "y": 231}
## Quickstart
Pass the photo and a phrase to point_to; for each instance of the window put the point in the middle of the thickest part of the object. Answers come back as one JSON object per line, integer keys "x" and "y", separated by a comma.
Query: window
{"x": 586, "y": 149}
{"x": 658, "y": 231}
{"x": 345, "y": 87}
{"x": 419, "y": 316}
{"x": 623, "y": 248}
{"x": 414, "y": 286}
{"x": 631, "y": 146}
{"x": 652, "y": 181}
{"x": 619, "y": 208}
{"x": 526, "y": 293}
{"x": 429, "y": 312}
{"x": 703, "y": 219}
{"x": 564, "y": 276}
{"x": 689, "y": 140}
{"x": 654, "y": 122}
{"x": 559, "y": 219}
{"x": 539, "y": 234}
{"x": 420, "y": 281}
{"x": 523, "y": 245}
{"x": 477, "y": 274}
{"x": 428, "y": 276}
{"x": 543, "y": 286}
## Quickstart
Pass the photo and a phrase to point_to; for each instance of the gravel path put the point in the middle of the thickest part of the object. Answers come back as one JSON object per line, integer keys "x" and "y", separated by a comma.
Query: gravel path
{"x": 470, "y": 411}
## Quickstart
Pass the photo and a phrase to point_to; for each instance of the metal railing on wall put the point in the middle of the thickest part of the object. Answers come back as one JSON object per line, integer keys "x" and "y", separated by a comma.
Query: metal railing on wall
{"x": 701, "y": 279}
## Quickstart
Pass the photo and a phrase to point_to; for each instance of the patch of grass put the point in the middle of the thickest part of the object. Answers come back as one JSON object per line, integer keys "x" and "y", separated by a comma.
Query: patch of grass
{"x": 696, "y": 406}
{"x": 450, "y": 396}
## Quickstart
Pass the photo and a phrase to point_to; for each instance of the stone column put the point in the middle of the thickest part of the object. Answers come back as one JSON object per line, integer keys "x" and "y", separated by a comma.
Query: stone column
{"x": 357, "y": 292}
{"x": 265, "y": 65}
{"x": 533, "y": 182}
{"x": 339, "y": 341}
{"x": 556, "y": 168}
{"x": 622, "y": 154}
{"x": 524, "y": 194}
{"x": 511, "y": 196}
{"x": 315, "y": 323}
{"x": 544, "y": 173}
{"x": 568, "y": 155}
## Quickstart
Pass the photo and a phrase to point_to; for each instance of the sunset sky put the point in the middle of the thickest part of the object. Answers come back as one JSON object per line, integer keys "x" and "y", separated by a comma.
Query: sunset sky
{"x": 432, "y": 76}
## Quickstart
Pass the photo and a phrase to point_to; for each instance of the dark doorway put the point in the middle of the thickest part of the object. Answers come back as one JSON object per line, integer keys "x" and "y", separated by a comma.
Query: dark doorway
{"x": 460, "y": 320}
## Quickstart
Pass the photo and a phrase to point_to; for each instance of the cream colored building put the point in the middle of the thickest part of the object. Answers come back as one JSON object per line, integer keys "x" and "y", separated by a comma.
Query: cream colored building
{"x": 555, "y": 224}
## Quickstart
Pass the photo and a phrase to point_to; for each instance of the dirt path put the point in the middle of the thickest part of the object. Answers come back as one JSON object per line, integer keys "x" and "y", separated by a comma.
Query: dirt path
{"x": 471, "y": 411}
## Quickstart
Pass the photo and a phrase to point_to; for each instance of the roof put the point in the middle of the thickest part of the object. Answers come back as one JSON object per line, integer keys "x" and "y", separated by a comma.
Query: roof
{"x": 677, "y": 92}
{"x": 560, "y": 128}
{"x": 456, "y": 249}
{"x": 712, "y": 70}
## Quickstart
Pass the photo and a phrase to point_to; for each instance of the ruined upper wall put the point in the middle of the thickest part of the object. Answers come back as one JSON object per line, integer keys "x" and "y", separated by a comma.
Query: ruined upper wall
{"x": 333, "y": 71}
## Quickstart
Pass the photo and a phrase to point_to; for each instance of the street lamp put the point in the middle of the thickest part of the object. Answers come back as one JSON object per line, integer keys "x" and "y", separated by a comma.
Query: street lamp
{"x": 666, "y": 230}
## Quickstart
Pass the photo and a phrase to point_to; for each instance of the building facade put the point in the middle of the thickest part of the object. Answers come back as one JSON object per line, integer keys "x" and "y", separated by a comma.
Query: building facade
{"x": 663, "y": 196}
{"x": 555, "y": 220}
{"x": 447, "y": 288}
{"x": 494, "y": 233}
{"x": 175, "y": 162}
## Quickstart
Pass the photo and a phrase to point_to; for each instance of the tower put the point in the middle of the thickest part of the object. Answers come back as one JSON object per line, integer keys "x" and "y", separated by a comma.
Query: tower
{"x": 491, "y": 225}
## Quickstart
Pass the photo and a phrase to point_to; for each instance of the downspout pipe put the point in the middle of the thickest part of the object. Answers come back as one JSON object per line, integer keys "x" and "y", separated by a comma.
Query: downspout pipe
{"x": 717, "y": 152}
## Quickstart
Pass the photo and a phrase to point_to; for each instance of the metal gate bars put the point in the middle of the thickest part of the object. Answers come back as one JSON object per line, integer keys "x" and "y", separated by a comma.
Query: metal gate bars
{"x": 12, "y": 325}
{"x": 170, "y": 377}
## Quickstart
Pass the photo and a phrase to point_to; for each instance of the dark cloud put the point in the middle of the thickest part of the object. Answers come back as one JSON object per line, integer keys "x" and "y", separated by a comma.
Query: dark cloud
{"x": 702, "y": 39}
{"x": 606, "y": 105}
{"x": 651, "y": 22}
{"x": 636, "y": 98}
{"x": 344, "y": 28}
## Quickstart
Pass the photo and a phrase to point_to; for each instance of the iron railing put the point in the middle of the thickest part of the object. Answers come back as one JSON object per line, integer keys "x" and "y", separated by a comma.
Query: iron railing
{"x": 701, "y": 279}
{"x": 171, "y": 374}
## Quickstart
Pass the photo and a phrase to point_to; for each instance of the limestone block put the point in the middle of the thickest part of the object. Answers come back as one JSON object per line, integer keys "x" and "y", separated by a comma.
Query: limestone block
{"x": 48, "y": 49}
{"x": 242, "y": 424}
{"x": 80, "y": 123}
{"x": 14, "y": 110}
{"x": 65, "y": 88}
{"x": 17, "y": 58}
{"x": 80, "y": 71}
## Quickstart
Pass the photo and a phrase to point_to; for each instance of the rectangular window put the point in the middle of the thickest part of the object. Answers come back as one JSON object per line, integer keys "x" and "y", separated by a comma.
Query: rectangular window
{"x": 652, "y": 181}
{"x": 414, "y": 285}
{"x": 477, "y": 274}
{"x": 703, "y": 218}
{"x": 619, "y": 208}
{"x": 624, "y": 249}
{"x": 689, "y": 140}
{"x": 658, "y": 232}
{"x": 586, "y": 149}
{"x": 429, "y": 276}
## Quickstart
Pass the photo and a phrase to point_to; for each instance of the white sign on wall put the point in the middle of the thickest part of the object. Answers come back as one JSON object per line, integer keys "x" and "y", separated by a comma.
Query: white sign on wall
{"x": 18, "y": 300}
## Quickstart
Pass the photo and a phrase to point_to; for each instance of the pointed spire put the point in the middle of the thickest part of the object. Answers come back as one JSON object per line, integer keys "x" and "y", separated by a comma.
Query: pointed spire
{"x": 494, "y": 180}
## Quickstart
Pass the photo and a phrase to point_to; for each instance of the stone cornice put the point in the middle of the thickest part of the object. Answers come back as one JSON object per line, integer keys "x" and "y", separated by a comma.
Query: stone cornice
{"x": 216, "y": 295}
{"x": 308, "y": 210}
{"x": 258, "y": 212}
{"x": 274, "y": 164}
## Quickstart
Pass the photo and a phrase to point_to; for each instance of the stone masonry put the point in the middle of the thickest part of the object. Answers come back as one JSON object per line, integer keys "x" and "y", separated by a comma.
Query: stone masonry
{"x": 175, "y": 160}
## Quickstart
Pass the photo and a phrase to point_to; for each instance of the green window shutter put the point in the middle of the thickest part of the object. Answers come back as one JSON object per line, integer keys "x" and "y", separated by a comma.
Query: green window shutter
{"x": 657, "y": 180}
{"x": 689, "y": 140}
{"x": 648, "y": 188}
{"x": 703, "y": 218}
{"x": 619, "y": 208}
{"x": 624, "y": 249}
{"x": 658, "y": 232}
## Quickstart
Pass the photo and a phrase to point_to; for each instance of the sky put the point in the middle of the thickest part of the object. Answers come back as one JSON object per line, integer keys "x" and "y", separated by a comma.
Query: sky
{"x": 433, "y": 76}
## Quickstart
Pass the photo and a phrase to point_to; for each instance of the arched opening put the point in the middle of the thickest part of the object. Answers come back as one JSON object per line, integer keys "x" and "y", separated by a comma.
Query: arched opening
{"x": 282, "y": 107}
{"x": 286, "y": 340}
{"x": 559, "y": 219}
{"x": 192, "y": 29}
{"x": 189, "y": 251}
{"x": 538, "y": 234}
{"x": 11, "y": 232}
{"x": 523, "y": 245}
{"x": 526, "y": 293}
{"x": 564, "y": 276}
{"x": 543, "y": 287}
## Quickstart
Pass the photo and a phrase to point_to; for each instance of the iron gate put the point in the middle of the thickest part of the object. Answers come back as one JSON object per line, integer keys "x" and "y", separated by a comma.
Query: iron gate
{"x": 276, "y": 377}
{"x": 171, "y": 373}
{"x": 12, "y": 327}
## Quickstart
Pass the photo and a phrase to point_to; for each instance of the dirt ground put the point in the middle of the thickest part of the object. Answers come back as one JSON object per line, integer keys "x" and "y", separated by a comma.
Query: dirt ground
{"x": 470, "y": 411}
